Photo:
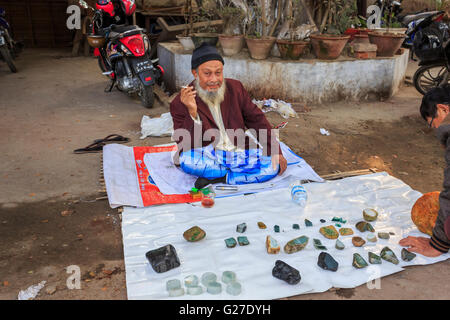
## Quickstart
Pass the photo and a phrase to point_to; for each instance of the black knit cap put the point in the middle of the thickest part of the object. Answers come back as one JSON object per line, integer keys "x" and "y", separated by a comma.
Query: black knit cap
{"x": 204, "y": 53}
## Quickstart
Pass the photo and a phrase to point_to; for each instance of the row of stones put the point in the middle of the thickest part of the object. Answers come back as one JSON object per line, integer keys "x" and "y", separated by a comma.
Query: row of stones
{"x": 209, "y": 280}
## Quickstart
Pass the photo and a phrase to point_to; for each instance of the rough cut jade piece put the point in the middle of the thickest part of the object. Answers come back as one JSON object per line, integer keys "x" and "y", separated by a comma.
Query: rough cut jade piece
{"x": 276, "y": 228}
{"x": 338, "y": 225}
{"x": 243, "y": 241}
{"x": 371, "y": 237}
{"x": 374, "y": 259}
{"x": 230, "y": 242}
{"x": 339, "y": 245}
{"x": 322, "y": 220}
{"x": 358, "y": 241}
{"x": 318, "y": 245}
{"x": 407, "y": 255}
{"x": 295, "y": 226}
{"x": 163, "y": 259}
{"x": 296, "y": 244}
{"x": 285, "y": 272}
{"x": 214, "y": 288}
{"x": 308, "y": 223}
{"x": 228, "y": 276}
{"x": 364, "y": 226}
{"x": 346, "y": 231}
{"x": 194, "y": 234}
{"x": 191, "y": 281}
{"x": 329, "y": 232}
{"x": 389, "y": 255}
{"x": 194, "y": 291}
{"x": 241, "y": 227}
{"x": 327, "y": 262}
{"x": 176, "y": 292}
{"x": 234, "y": 288}
{"x": 338, "y": 219}
{"x": 272, "y": 245}
{"x": 173, "y": 284}
{"x": 383, "y": 235}
{"x": 261, "y": 225}
{"x": 358, "y": 261}
{"x": 208, "y": 277}
{"x": 370, "y": 214}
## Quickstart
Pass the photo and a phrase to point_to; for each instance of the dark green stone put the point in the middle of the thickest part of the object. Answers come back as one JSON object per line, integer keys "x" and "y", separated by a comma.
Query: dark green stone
{"x": 389, "y": 255}
{"x": 322, "y": 220}
{"x": 407, "y": 255}
{"x": 241, "y": 227}
{"x": 364, "y": 226}
{"x": 243, "y": 241}
{"x": 230, "y": 242}
{"x": 327, "y": 262}
{"x": 374, "y": 259}
{"x": 308, "y": 223}
{"x": 276, "y": 228}
{"x": 358, "y": 261}
{"x": 318, "y": 245}
{"x": 295, "y": 226}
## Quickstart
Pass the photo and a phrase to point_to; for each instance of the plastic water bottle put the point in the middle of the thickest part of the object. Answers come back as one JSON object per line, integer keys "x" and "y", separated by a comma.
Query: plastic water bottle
{"x": 299, "y": 194}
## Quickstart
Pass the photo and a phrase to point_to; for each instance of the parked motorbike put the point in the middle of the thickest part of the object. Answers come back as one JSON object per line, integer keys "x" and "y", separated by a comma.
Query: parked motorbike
{"x": 9, "y": 49}
{"x": 123, "y": 52}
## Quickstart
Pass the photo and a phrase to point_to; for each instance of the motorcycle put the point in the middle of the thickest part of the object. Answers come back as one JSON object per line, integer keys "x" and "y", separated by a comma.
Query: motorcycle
{"x": 9, "y": 49}
{"x": 123, "y": 52}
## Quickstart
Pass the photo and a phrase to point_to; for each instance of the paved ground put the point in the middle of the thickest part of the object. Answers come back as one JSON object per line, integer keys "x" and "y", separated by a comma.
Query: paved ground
{"x": 49, "y": 219}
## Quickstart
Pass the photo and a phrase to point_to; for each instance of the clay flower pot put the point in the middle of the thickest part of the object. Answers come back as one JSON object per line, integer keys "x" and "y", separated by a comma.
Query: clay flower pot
{"x": 329, "y": 47}
{"x": 387, "y": 43}
{"x": 231, "y": 44}
{"x": 260, "y": 48}
{"x": 361, "y": 38}
{"x": 186, "y": 42}
{"x": 210, "y": 38}
{"x": 291, "y": 49}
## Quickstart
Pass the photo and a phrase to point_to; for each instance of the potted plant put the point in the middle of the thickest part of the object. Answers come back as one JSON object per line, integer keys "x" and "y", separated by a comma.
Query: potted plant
{"x": 336, "y": 20}
{"x": 185, "y": 38}
{"x": 231, "y": 40}
{"x": 291, "y": 44}
{"x": 257, "y": 32}
{"x": 208, "y": 33}
{"x": 389, "y": 41}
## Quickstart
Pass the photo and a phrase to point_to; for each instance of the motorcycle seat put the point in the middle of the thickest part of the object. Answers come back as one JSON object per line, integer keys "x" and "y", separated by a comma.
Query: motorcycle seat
{"x": 123, "y": 28}
{"x": 411, "y": 17}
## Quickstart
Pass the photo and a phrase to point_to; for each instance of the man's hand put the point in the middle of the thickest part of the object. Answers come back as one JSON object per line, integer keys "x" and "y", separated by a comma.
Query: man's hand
{"x": 420, "y": 245}
{"x": 278, "y": 159}
{"x": 188, "y": 95}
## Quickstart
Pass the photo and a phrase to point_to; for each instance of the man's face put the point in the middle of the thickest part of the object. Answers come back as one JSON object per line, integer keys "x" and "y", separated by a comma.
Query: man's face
{"x": 210, "y": 75}
{"x": 441, "y": 113}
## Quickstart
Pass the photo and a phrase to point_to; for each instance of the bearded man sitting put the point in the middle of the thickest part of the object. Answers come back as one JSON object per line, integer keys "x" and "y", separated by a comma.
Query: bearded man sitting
{"x": 210, "y": 117}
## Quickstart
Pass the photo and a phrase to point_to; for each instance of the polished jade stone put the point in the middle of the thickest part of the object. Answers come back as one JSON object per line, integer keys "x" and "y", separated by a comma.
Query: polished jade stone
{"x": 241, "y": 227}
{"x": 358, "y": 261}
{"x": 208, "y": 277}
{"x": 318, "y": 245}
{"x": 214, "y": 288}
{"x": 374, "y": 259}
{"x": 276, "y": 228}
{"x": 389, "y": 255}
{"x": 338, "y": 225}
{"x": 230, "y": 242}
{"x": 228, "y": 276}
{"x": 339, "y": 245}
{"x": 191, "y": 281}
{"x": 383, "y": 235}
{"x": 308, "y": 223}
{"x": 322, "y": 220}
{"x": 371, "y": 237}
{"x": 234, "y": 288}
{"x": 176, "y": 292}
{"x": 295, "y": 226}
{"x": 173, "y": 284}
{"x": 243, "y": 241}
{"x": 194, "y": 291}
{"x": 407, "y": 255}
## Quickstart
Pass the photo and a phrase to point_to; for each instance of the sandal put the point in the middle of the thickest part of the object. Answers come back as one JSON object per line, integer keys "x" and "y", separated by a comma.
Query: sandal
{"x": 92, "y": 148}
{"x": 98, "y": 144}
{"x": 113, "y": 138}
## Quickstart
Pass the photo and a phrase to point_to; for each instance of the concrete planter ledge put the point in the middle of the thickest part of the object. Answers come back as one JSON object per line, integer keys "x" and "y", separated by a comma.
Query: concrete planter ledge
{"x": 306, "y": 80}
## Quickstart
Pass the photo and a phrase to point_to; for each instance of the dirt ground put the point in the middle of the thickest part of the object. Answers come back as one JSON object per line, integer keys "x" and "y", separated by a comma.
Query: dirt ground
{"x": 49, "y": 219}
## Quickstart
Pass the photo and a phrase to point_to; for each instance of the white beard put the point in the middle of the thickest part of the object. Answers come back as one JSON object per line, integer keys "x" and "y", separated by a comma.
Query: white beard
{"x": 213, "y": 98}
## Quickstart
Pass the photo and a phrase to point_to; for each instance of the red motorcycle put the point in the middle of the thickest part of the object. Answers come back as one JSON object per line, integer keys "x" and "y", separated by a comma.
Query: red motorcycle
{"x": 123, "y": 51}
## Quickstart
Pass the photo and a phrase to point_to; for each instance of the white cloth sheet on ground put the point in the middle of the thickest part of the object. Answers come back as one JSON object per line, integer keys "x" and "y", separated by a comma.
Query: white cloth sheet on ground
{"x": 173, "y": 180}
{"x": 149, "y": 228}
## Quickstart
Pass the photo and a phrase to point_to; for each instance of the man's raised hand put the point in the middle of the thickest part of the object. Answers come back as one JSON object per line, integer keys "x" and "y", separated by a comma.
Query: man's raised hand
{"x": 420, "y": 245}
{"x": 188, "y": 95}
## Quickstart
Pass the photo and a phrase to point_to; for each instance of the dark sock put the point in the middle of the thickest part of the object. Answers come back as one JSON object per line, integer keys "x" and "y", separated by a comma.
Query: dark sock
{"x": 200, "y": 183}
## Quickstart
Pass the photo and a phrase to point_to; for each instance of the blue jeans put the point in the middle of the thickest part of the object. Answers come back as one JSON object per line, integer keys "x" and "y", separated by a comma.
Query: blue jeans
{"x": 243, "y": 167}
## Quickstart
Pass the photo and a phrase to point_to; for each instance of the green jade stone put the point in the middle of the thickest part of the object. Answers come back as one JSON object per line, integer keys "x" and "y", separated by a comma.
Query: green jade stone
{"x": 194, "y": 291}
{"x": 228, "y": 277}
{"x": 276, "y": 228}
{"x": 384, "y": 235}
{"x": 208, "y": 277}
{"x": 339, "y": 245}
{"x": 374, "y": 259}
{"x": 230, "y": 242}
{"x": 214, "y": 288}
{"x": 337, "y": 219}
{"x": 370, "y": 214}
{"x": 176, "y": 292}
{"x": 364, "y": 226}
{"x": 295, "y": 226}
{"x": 329, "y": 232}
{"x": 338, "y": 225}
{"x": 241, "y": 227}
{"x": 194, "y": 234}
{"x": 407, "y": 255}
{"x": 389, "y": 255}
{"x": 234, "y": 288}
{"x": 322, "y": 220}
{"x": 191, "y": 281}
{"x": 243, "y": 241}
{"x": 318, "y": 245}
{"x": 173, "y": 284}
{"x": 308, "y": 223}
{"x": 358, "y": 261}
{"x": 296, "y": 244}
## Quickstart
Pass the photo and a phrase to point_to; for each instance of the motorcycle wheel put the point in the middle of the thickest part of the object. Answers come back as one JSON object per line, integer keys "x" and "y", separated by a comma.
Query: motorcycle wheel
{"x": 8, "y": 59}
{"x": 430, "y": 76}
{"x": 147, "y": 96}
